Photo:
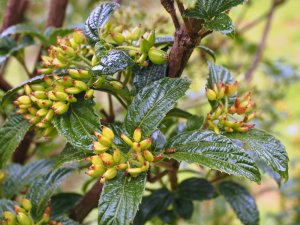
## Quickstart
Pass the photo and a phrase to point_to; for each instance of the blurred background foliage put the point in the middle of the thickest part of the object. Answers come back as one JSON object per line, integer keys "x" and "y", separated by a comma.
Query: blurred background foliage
{"x": 275, "y": 84}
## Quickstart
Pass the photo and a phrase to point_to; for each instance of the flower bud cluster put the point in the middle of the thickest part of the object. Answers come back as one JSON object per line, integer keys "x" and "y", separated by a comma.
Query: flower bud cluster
{"x": 140, "y": 46}
{"x": 224, "y": 116}
{"x": 21, "y": 215}
{"x": 53, "y": 96}
{"x": 109, "y": 159}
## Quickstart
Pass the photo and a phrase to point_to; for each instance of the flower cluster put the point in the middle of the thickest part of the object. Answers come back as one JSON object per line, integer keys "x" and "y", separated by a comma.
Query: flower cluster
{"x": 21, "y": 215}
{"x": 109, "y": 159}
{"x": 140, "y": 46}
{"x": 224, "y": 116}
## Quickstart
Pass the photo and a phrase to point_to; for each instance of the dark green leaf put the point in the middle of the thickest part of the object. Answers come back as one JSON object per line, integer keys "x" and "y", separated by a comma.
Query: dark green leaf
{"x": 214, "y": 151}
{"x": 43, "y": 188}
{"x": 221, "y": 23}
{"x": 268, "y": 148}
{"x": 151, "y": 104}
{"x": 169, "y": 217}
{"x": 51, "y": 33}
{"x": 176, "y": 112}
{"x": 194, "y": 123}
{"x": 196, "y": 189}
{"x": 208, "y": 9}
{"x": 24, "y": 29}
{"x": 12, "y": 92}
{"x": 241, "y": 201}
{"x": 98, "y": 18}
{"x": 113, "y": 62}
{"x": 11, "y": 134}
{"x": 70, "y": 154}
{"x": 20, "y": 177}
{"x": 62, "y": 203}
{"x": 209, "y": 51}
{"x": 120, "y": 199}
{"x": 6, "y": 205}
{"x": 153, "y": 205}
{"x": 158, "y": 141}
{"x": 144, "y": 76}
{"x": 78, "y": 124}
{"x": 65, "y": 220}
{"x": 101, "y": 48}
{"x": 184, "y": 208}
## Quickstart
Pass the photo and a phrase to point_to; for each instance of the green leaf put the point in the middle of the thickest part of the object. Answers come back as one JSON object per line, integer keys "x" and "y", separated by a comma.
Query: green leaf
{"x": 98, "y": 18}
{"x": 208, "y": 9}
{"x": 151, "y": 104}
{"x": 194, "y": 123}
{"x": 241, "y": 201}
{"x": 78, "y": 124}
{"x": 176, "y": 112}
{"x": 153, "y": 205}
{"x": 217, "y": 74}
{"x": 12, "y": 92}
{"x": 144, "y": 76}
{"x": 214, "y": 151}
{"x": 65, "y": 220}
{"x": 102, "y": 48}
{"x": 43, "y": 188}
{"x": 6, "y": 205}
{"x": 20, "y": 177}
{"x": 113, "y": 62}
{"x": 51, "y": 33}
{"x": 209, "y": 51}
{"x": 62, "y": 203}
{"x": 22, "y": 28}
{"x": 184, "y": 208}
{"x": 70, "y": 154}
{"x": 221, "y": 23}
{"x": 120, "y": 199}
{"x": 11, "y": 134}
{"x": 196, "y": 189}
{"x": 268, "y": 148}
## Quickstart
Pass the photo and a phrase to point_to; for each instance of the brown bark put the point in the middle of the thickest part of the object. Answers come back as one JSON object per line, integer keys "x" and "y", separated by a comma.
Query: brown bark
{"x": 56, "y": 13}
{"x": 20, "y": 155}
{"x": 87, "y": 203}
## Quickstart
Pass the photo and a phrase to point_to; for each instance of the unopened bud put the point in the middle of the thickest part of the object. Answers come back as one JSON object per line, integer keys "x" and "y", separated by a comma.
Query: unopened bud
{"x": 61, "y": 109}
{"x": 157, "y": 56}
{"x": 148, "y": 155}
{"x": 23, "y": 219}
{"x": 126, "y": 140}
{"x": 107, "y": 159}
{"x": 80, "y": 84}
{"x": 103, "y": 140}
{"x": 210, "y": 94}
{"x": 72, "y": 90}
{"x": 107, "y": 132}
{"x": 117, "y": 155}
{"x": 27, "y": 89}
{"x": 137, "y": 135}
{"x": 26, "y": 204}
{"x": 122, "y": 166}
{"x": 99, "y": 148}
{"x": 146, "y": 144}
{"x": 134, "y": 172}
{"x": 110, "y": 173}
{"x": 230, "y": 89}
{"x": 88, "y": 94}
{"x": 118, "y": 38}
{"x": 117, "y": 85}
{"x": 24, "y": 100}
{"x": 41, "y": 112}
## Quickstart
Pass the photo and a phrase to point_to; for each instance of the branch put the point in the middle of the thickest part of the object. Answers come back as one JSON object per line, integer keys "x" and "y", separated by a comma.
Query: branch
{"x": 111, "y": 116}
{"x": 56, "y": 13}
{"x": 153, "y": 179}
{"x": 169, "y": 7}
{"x": 87, "y": 203}
{"x": 262, "y": 45}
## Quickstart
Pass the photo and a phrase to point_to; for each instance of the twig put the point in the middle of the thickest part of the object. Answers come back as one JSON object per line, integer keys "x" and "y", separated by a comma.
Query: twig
{"x": 262, "y": 45}
{"x": 87, "y": 203}
{"x": 153, "y": 179}
{"x": 111, "y": 117}
{"x": 185, "y": 20}
{"x": 219, "y": 178}
{"x": 169, "y": 7}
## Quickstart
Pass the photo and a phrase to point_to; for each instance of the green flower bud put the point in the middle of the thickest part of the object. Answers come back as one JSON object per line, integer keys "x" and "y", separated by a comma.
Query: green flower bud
{"x": 23, "y": 100}
{"x": 210, "y": 94}
{"x": 157, "y": 56}
{"x": 43, "y": 125}
{"x": 44, "y": 71}
{"x": 73, "y": 90}
{"x": 27, "y": 89}
{"x": 80, "y": 84}
{"x": 24, "y": 106}
{"x": 99, "y": 148}
{"x": 95, "y": 159}
{"x": 23, "y": 219}
{"x": 95, "y": 60}
{"x": 10, "y": 217}
{"x": 134, "y": 172}
{"x": 136, "y": 33}
{"x": 79, "y": 37}
{"x": 144, "y": 45}
{"x": 37, "y": 87}
{"x": 44, "y": 103}
{"x": 32, "y": 110}
{"x": 61, "y": 109}
{"x": 146, "y": 144}
{"x": 26, "y": 204}
{"x": 110, "y": 173}
{"x": 41, "y": 112}
{"x": 118, "y": 38}
{"x": 126, "y": 140}
{"x": 151, "y": 38}
{"x": 62, "y": 96}
{"x": 84, "y": 74}
{"x": 49, "y": 132}
{"x": 66, "y": 81}
{"x": 122, "y": 166}
{"x": 117, "y": 85}
{"x": 68, "y": 50}
{"x": 58, "y": 87}
{"x": 103, "y": 140}
{"x": 34, "y": 120}
{"x": 98, "y": 83}
{"x": 117, "y": 155}
{"x": 74, "y": 73}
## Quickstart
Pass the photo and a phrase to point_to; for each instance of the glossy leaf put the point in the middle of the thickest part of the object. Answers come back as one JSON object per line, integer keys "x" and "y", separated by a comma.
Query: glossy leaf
{"x": 62, "y": 203}
{"x": 176, "y": 112}
{"x": 221, "y": 23}
{"x": 153, "y": 205}
{"x": 120, "y": 199}
{"x": 209, "y": 51}
{"x": 194, "y": 123}
{"x": 70, "y": 154}
{"x": 78, "y": 124}
{"x": 268, "y": 148}
{"x": 43, "y": 188}
{"x": 11, "y": 134}
{"x": 151, "y": 104}
{"x": 196, "y": 189}
{"x": 98, "y": 18}
{"x": 113, "y": 62}
{"x": 24, "y": 29}
{"x": 6, "y": 205}
{"x": 21, "y": 177}
{"x": 241, "y": 201}
{"x": 214, "y": 151}
{"x": 208, "y": 9}
{"x": 184, "y": 208}
{"x": 65, "y": 220}
{"x": 144, "y": 76}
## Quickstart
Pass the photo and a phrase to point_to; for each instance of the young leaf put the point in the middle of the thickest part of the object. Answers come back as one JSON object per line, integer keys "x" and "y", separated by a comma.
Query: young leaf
{"x": 208, "y": 9}
{"x": 196, "y": 189}
{"x": 43, "y": 188}
{"x": 241, "y": 201}
{"x": 113, "y": 62}
{"x": 19, "y": 177}
{"x": 98, "y": 18}
{"x": 62, "y": 203}
{"x": 120, "y": 199}
{"x": 144, "y": 76}
{"x": 268, "y": 148}
{"x": 11, "y": 134}
{"x": 151, "y": 104}
{"x": 214, "y": 151}
{"x": 78, "y": 124}
{"x": 221, "y": 23}
{"x": 70, "y": 153}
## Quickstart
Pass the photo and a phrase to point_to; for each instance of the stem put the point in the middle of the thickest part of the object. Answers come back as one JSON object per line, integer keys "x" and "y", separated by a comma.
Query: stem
{"x": 111, "y": 117}
{"x": 84, "y": 59}
{"x": 125, "y": 47}
{"x": 169, "y": 7}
